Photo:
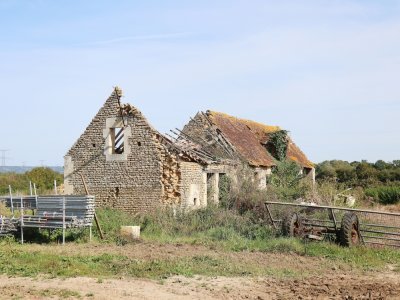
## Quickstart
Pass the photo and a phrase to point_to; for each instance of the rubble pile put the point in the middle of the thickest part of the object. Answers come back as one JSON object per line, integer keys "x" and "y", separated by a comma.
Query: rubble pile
{"x": 6, "y": 226}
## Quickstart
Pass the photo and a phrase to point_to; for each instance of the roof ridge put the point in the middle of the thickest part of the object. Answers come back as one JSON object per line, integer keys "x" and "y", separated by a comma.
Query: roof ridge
{"x": 267, "y": 128}
{"x": 231, "y": 126}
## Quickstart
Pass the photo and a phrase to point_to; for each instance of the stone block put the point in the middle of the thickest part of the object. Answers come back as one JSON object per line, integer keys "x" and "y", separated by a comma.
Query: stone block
{"x": 130, "y": 233}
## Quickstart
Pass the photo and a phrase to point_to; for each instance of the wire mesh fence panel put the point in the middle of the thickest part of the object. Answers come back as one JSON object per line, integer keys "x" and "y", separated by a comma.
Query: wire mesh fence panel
{"x": 78, "y": 210}
{"x": 380, "y": 229}
{"x": 29, "y": 202}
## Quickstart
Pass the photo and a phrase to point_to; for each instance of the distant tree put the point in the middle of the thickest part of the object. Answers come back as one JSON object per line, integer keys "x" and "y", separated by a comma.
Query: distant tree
{"x": 381, "y": 165}
{"x": 339, "y": 170}
{"x": 325, "y": 170}
{"x": 396, "y": 174}
{"x": 354, "y": 163}
{"x": 346, "y": 174}
{"x": 366, "y": 173}
{"x": 388, "y": 175}
{"x": 360, "y": 173}
{"x": 44, "y": 178}
{"x": 18, "y": 183}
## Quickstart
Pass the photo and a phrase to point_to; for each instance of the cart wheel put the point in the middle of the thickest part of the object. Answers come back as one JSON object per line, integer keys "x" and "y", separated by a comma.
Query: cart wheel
{"x": 292, "y": 225}
{"x": 349, "y": 233}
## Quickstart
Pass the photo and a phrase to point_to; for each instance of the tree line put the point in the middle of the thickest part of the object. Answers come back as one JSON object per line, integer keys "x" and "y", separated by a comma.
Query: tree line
{"x": 359, "y": 173}
{"x": 42, "y": 177}
{"x": 379, "y": 180}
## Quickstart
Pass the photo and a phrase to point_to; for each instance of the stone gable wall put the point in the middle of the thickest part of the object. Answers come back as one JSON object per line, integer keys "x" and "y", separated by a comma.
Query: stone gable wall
{"x": 134, "y": 184}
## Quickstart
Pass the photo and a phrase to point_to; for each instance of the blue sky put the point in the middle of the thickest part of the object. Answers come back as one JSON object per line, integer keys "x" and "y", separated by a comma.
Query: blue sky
{"x": 328, "y": 71}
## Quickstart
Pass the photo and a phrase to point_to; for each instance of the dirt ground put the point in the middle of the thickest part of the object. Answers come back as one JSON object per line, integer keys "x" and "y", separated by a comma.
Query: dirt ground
{"x": 319, "y": 278}
{"x": 380, "y": 286}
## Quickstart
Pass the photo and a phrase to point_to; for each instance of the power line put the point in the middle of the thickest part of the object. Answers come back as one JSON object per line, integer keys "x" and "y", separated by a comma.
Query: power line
{"x": 3, "y": 156}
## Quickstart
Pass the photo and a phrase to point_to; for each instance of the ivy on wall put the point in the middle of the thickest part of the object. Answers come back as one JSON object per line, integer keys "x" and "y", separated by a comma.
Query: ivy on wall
{"x": 278, "y": 144}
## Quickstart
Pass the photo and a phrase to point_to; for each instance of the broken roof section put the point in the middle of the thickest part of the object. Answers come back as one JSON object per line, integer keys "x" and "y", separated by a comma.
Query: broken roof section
{"x": 249, "y": 139}
{"x": 183, "y": 148}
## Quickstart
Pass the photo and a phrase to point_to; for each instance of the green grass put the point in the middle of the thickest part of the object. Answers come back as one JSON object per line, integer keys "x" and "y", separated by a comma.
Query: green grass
{"x": 221, "y": 229}
{"x": 215, "y": 229}
{"x": 19, "y": 260}
{"x": 361, "y": 257}
{"x": 385, "y": 194}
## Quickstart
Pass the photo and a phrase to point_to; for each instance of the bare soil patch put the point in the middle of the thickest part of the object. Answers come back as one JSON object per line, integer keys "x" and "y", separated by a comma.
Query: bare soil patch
{"x": 309, "y": 277}
{"x": 333, "y": 286}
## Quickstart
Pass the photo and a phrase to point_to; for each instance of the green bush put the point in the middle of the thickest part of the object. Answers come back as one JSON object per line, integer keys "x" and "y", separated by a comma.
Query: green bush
{"x": 286, "y": 181}
{"x": 41, "y": 176}
{"x": 384, "y": 194}
{"x": 207, "y": 223}
{"x": 44, "y": 178}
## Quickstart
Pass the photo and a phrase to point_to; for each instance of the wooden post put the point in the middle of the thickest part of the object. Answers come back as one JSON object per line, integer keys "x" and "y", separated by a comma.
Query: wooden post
{"x": 34, "y": 189}
{"x": 11, "y": 200}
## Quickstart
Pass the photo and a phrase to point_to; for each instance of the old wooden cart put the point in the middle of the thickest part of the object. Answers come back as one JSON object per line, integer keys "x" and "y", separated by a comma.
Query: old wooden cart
{"x": 347, "y": 226}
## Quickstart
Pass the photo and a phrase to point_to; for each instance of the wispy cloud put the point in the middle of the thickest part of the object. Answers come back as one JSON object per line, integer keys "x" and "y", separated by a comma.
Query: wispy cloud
{"x": 162, "y": 36}
{"x": 325, "y": 71}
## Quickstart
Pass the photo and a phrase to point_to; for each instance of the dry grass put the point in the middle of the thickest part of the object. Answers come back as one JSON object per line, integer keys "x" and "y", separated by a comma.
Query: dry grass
{"x": 4, "y": 211}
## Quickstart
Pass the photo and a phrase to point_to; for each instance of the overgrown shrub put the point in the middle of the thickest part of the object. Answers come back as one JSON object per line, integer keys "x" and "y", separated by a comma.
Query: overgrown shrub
{"x": 246, "y": 198}
{"x": 4, "y": 211}
{"x": 384, "y": 194}
{"x": 287, "y": 182}
{"x": 328, "y": 192}
{"x": 225, "y": 185}
{"x": 213, "y": 222}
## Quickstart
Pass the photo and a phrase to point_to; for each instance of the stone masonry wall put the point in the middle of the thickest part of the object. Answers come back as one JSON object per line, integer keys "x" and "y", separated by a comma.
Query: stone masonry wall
{"x": 171, "y": 176}
{"x": 193, "y": 185}
{"x": 133, "y": 184}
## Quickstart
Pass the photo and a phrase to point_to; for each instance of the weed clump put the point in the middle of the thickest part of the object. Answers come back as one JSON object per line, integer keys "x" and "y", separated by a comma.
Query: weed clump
{"x": 384, "y": 194}
{"x": 4, "y": 211}
{"x": 209, "y": 223}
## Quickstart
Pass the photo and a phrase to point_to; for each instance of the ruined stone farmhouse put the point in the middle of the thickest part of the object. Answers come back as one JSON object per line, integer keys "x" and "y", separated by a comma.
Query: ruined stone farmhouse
{"x": 245, "y": 141}
{"x": 129, "y": 165}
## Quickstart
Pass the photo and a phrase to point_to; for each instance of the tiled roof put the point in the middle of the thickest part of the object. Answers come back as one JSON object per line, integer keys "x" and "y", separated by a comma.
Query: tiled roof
{"x": 249, "y": 138}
